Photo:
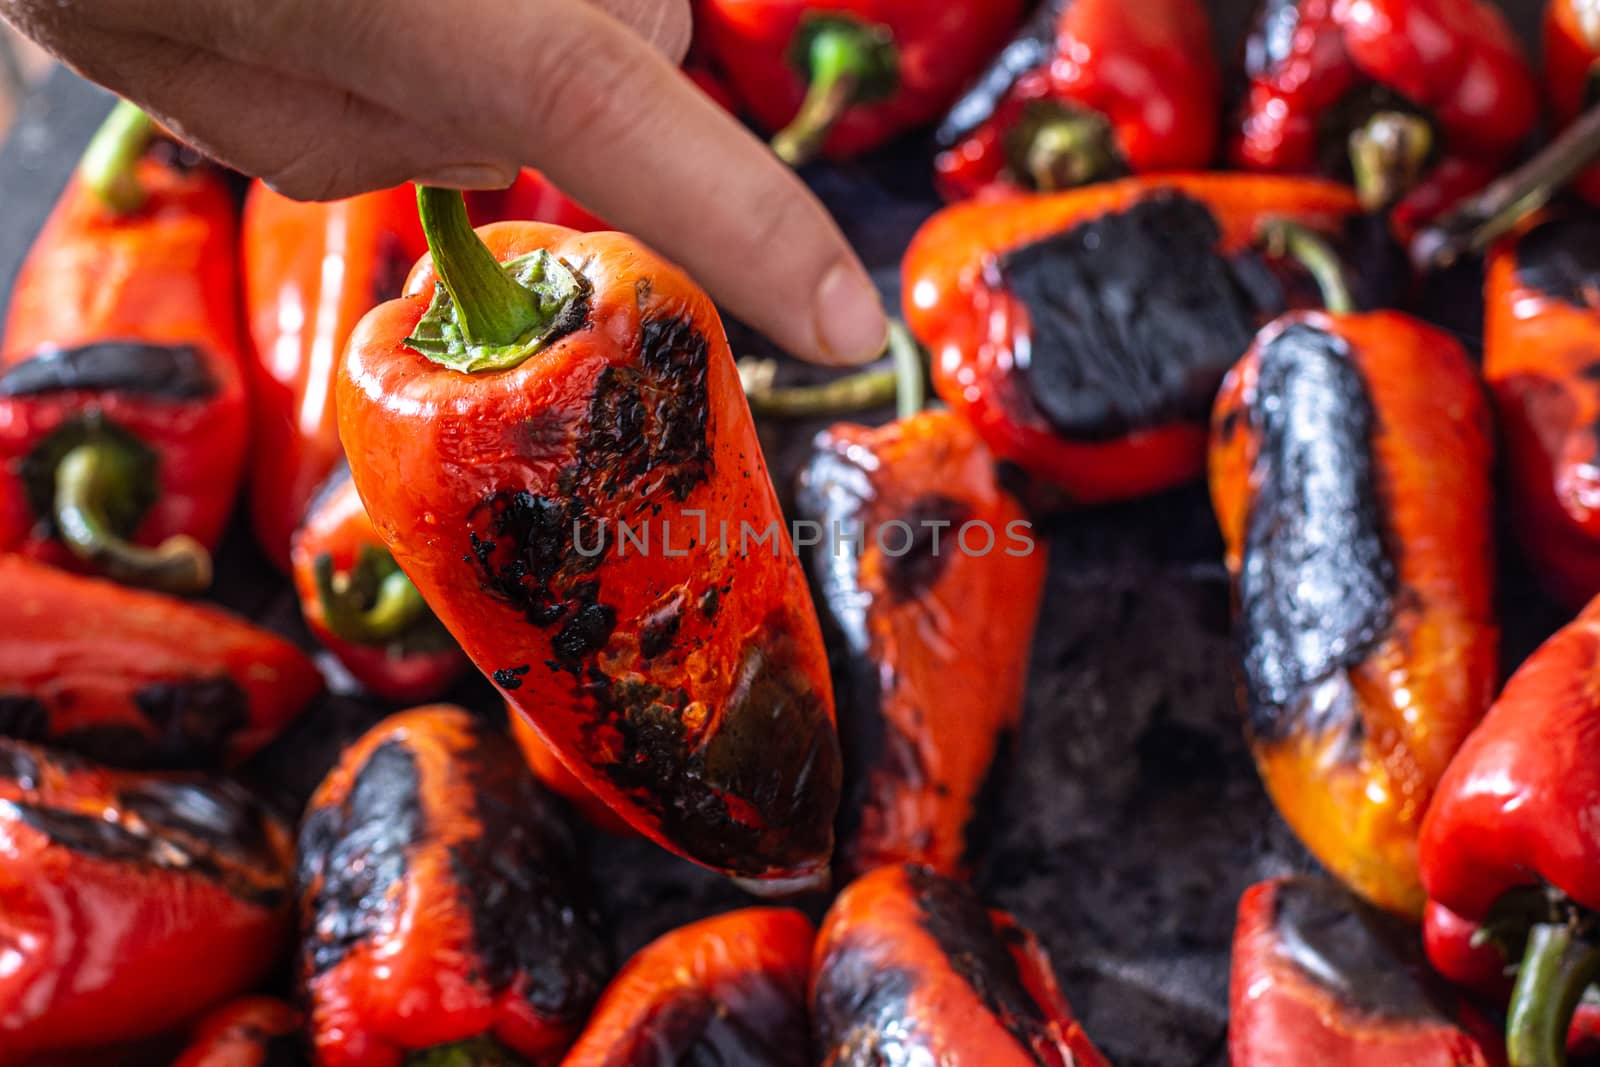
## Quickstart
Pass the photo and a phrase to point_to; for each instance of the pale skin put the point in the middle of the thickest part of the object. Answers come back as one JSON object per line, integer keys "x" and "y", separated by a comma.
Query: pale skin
{"x": 329, "y": 98}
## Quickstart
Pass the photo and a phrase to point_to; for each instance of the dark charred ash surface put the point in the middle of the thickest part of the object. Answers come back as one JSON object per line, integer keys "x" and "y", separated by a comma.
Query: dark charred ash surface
{"x": 160, "y": 372}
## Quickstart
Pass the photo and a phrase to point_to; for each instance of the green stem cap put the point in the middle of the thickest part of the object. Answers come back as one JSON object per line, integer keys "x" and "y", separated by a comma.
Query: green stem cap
{"x": 1556, "y": 968}
{"x": 476, "y": 1052}
{"x": 1387, "y": 155}
{"x": 1310, "y": 249}
{"x": 92, "y": 482}
{"x": 110, "y": 164}
{"x": 1056, "y": 148}
{"x": 846, "y": 62}
{"x": 904, "y": 384}
{"x": 374, "y": 604}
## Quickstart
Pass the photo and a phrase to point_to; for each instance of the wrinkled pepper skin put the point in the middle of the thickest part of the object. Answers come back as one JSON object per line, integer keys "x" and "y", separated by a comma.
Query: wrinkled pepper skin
{"x": 760, "y": 45}
{"x": 416, "y": 664}
{"x": 728, "y": 990}
{"x": 129, "y": 902}
{"x": 1019, "y": 300}
{"x": 1571, "y": 62}
{"x": 1321, "y": 978}
{"x": 910, "y": 967}
{"x": 1350, "y": 472}
{"x": 249, "y": 1032}
{"x": 938, "y": 636}
{"x": 1541, "y": 357}
{"x": 126, "y": 326}
{"x": 440, "y": 900}
{"x": 685, "y": 683}
{"x": 138, "y": 679}
{"x": 1318, "y": 69}
{"x": 1144, "y": 76}
{"x": 554, "y": 776}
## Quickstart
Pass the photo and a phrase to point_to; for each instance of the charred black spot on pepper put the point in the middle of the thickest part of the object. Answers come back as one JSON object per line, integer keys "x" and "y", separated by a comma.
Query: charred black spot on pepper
{"x": 752, "y": 1022}
{"x": 934, "y": 520}
{"x": 660, "y": 628}
{"x": 165, "y": 372}
{"x": 221, "y": 816}
{"x": 17, "y": 765}
{"x": 1561, "y": 258}
{"x": 862, "y": 1014}
{"x": 1317, "y": 583}
{"x": 585, "y": 632}
{"x": 710, "y": 603}
{"x": 510, "y": 677}
{"x": 194, "y": 719}
{"x": 351, "y": 854}
{"x": 1033, "y": 47}
{"x": 1271, "y": 38}
{"x": 24, "y": 718}
{"x": 1135, "y": 317}
{"x": 100, "y": 838}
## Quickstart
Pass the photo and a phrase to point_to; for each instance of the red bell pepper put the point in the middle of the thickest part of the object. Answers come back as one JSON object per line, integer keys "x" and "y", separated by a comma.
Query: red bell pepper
{"x": 502, "y": 426}
{"x": 362, "y": 607}
{"x": 1088, "y": 90}
{"x": 249, "y": 1032}
{"x": 840, "y": 77}
{"x": 1572, "y": 69}
{"x": 1084, "y": 334}
{"x": 123, "y": 416}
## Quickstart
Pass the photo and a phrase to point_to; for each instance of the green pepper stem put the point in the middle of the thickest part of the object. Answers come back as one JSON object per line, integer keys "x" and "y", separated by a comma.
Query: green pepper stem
{"x": 1556, "y": 969}
{"x": 476, "y": 1052}
{"x": 840, "y": 64}
{"x": 110, "y": 164}
{"x": 87, "y": 479}
{"x": 491, "y": 307}
{"x": 396, "y": 605}
{"x": 1387, "y": 155}
{"x": 903, "y": 383}
{"x": 1312, "y": 251}
{"x": 910, "y": 374}
{"x": 1066, "y": 149}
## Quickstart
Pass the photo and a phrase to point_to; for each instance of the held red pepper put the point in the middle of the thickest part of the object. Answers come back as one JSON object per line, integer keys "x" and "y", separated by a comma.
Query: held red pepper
{"x": 933, "y": 577}
{"x": 1088, "y": 90}
{"x": 1320, "y": 978}
{"x": 1572, "y": 69}
{"x": 515, "y": 442}
{"x": 725, "y": 990}
{"x": 1400, "y": 94}
{"x": 139, "y": 679}
{"x": 1084, "y": 334}
{"x": 440, "y": 902}
{"x": 128, "y": 902}
{"x": 554, "y": 776}
{"x": 1350, "y": 471}
{"x": 249, "y": 1032}
{"x": 362, "y": 607}
{"x": 911, "y": 967}
{"x": 123, "y": 416}
{"x": 840, "y": 77}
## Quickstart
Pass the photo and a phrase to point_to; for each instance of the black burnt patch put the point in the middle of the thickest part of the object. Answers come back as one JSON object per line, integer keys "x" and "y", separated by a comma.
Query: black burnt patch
{"x": 193, "y": 720}
{"x": 1317, "y": 582}
{"x": 752, "y": 1022}
{"x": 1033, "y": 47}
{"x": 1561, "y": 258}
{"x": 934, "y": 522}
{"x": 164, "y": 372}
{"x": 1135, "y": 316}
{"x": 511, "y": 677}
{"x": 861, "y": 1013}
{"x": 18, "y": 765}
{"x": 23, "y": 718}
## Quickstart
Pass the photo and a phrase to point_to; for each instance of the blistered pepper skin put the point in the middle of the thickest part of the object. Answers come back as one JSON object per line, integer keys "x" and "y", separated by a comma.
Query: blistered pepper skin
{"x": 911, "y": 964}
{"x": 1135, "y": 440}
{"x": 249, "y": 1032}
{"x": 136, "y": 678}
{"x": 729, "y": 989}
{"x": 1571, "y": 52}
{"x": 933, "y": 577}
{"x": 440, "y": 900}
{"x": 1350, "y": 468}
{"x": 685, "y": 682}
{"x": 130, "y": 902}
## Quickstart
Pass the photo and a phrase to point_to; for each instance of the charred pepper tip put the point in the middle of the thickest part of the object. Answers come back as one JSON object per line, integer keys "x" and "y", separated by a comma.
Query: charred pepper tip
{"x": 109, "y": 163}
{"x": 1283, "y": 237}
{"x": 1557, "y": 967}
{"x": 374, "y": 604}
{"x": 846, "y": 62}
{"x": 1387, "y": 155}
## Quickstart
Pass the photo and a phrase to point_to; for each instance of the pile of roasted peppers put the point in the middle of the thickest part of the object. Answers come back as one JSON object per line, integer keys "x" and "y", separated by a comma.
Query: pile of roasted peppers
{"x": 458, "y": 445}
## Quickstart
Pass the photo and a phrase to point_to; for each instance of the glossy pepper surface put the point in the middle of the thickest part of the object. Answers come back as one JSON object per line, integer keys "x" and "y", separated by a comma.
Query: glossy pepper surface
{"x": 1422, "y": 101}
{"x": 1350, "y": 473}
{"x": 123, "y": 416}
{"x": 1542, "y": 362}
{"x": 1087, "y": 90}
{"x": 1084, "y": 334}
{"x": 840, "y": 77}
{"x": 362, "y": 607}
{"x": 137, "y": 678}
{"x": 441, "y": 906}
{"x": 128, "y": 902}
{"x": 249, "y": 1032}
{"x": 909, "y": 963}
{"x": 933, "y": 577}
{"x": 683, "y": 680}
{"x": 1320, "y": 977}
{"x": 729, "y": 989}
{"x": 1572, "y": 69}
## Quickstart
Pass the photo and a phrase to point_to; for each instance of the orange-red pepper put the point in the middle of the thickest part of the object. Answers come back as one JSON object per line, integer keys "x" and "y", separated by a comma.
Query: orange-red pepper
{"x": 139, "y": 679}
{"x": 1572, "y": 70}
{"x": 725, "y": 990}
{"x": 501, "y": 436}
{"x": 249, "y": 1032}
{"x": 1084, "y": 334}
{"x": 554, "y": 775}
{"x": 933, "y": 577}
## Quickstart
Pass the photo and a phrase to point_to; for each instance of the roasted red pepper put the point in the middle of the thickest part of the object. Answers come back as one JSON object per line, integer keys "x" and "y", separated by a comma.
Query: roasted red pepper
{"x": 839, "y": 77}
{"x": 440, "y": 901}
{"x": 1084, "y": 334}
{"x": 910, "y": 964}
{"x": 1350, "y": 471}
{"x": 554, "y": 775}
{"x": 123, "y": 417}
{"x": 1572, "y": 69}
{"x": 933, "y": 577}
{"x": 1088, "y": 90}
{"x": 726, "y": 990}
{"x": 1321, "y": 978}
{"x": 249, "y": 1032}
{"x": 128, "y": 902}
{"x": 362, "y": 607}
{"x": 516, "y": 441}
{"x": 138, "y": 679}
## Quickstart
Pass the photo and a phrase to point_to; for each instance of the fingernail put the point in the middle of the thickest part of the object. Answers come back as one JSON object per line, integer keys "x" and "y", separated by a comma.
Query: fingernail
{"x": 470, "y": 176}
{"x": 851, "y": 326}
